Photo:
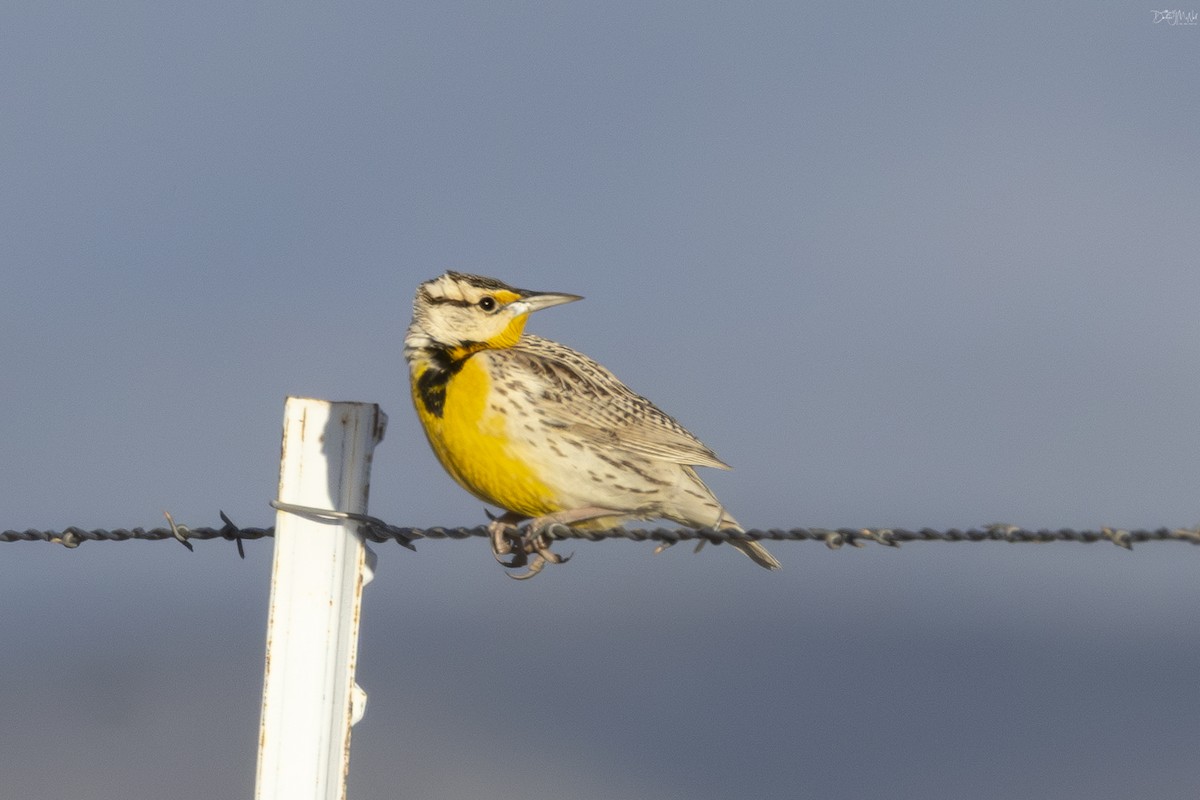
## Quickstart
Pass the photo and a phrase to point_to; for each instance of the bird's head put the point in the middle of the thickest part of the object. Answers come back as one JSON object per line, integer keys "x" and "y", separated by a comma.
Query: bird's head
{"x": 471, "y": 312}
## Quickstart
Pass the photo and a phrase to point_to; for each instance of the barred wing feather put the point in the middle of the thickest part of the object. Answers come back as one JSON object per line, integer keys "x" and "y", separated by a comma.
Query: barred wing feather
{"x": 587, "y": 399}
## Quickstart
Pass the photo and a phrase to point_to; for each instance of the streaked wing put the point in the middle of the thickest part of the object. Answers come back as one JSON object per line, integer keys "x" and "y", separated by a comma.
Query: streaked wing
{"x": 587, "y": 399}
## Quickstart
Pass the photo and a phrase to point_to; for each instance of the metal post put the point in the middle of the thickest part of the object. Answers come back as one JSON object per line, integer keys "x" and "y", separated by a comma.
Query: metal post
{"x": 310, "y": 699}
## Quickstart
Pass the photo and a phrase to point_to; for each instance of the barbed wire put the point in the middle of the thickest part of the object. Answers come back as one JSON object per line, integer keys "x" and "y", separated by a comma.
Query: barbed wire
{"x": 377, "y": 531}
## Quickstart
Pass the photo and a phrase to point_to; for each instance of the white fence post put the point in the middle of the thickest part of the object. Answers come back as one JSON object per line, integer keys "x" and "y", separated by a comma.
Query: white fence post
{"x": 310, "y": 699}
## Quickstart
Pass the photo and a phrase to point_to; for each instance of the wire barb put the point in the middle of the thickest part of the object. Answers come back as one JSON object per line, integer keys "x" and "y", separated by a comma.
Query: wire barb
{"x": 179, "y": 531}
{"x": 230, "y": 531}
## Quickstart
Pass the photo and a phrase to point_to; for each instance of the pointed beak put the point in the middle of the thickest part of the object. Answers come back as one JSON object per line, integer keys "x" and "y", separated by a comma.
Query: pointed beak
{"x": 536, "y": 301}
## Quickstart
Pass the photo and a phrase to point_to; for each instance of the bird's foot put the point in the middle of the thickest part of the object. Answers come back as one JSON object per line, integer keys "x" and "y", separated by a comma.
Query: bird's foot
{"x": 503, "y": 530}
{"x": 529, "y": 549}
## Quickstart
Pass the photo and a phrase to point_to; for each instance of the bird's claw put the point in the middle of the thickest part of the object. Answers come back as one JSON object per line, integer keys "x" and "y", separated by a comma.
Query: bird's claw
{"x": 529, "y": 548}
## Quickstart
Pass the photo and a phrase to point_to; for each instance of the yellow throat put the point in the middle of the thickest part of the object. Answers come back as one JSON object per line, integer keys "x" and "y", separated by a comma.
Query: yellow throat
{"x": 451, "y": 389}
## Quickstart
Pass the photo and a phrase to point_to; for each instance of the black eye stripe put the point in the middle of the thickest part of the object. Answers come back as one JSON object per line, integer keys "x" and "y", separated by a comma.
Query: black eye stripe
{"x": 472, "y": 281}
{"x": 487, "y": 303}
{"x": 436, "y": 300}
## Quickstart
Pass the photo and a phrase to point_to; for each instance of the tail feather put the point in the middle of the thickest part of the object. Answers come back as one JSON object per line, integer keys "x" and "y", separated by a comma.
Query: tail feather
{"x": 757, "y": 553}
{"x": 694, "y": 505}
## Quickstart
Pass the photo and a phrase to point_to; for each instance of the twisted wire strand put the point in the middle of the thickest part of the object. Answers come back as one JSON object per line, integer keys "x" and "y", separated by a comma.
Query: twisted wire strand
{"x": 377, "y": 531}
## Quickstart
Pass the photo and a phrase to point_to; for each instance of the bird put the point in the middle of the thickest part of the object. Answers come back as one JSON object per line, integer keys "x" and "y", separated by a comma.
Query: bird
{"x": 542, "y": 431}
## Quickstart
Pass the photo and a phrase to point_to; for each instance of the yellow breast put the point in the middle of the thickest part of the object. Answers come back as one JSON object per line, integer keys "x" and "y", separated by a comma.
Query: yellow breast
{"x": 471, "y": 440}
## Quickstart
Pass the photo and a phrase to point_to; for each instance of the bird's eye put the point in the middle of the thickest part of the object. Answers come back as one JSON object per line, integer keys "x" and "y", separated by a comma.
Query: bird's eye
{"x": 488, "y": 303}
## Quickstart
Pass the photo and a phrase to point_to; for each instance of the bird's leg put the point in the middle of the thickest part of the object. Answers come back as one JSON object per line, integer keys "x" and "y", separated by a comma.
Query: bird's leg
{"x": 537, "y": 532}
{"x": 503, "y": 530}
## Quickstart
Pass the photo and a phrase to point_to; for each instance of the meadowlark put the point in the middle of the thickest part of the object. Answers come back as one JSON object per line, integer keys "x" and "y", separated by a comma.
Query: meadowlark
{"x": 542, "y": 431}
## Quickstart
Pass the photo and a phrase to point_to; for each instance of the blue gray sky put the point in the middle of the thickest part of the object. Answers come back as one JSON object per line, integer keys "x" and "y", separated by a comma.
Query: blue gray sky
{"x": 922, "y": 265}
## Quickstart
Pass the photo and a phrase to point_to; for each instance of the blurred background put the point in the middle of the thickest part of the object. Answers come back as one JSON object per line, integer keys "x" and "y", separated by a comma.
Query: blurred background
{"x": 922, "y": 266}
